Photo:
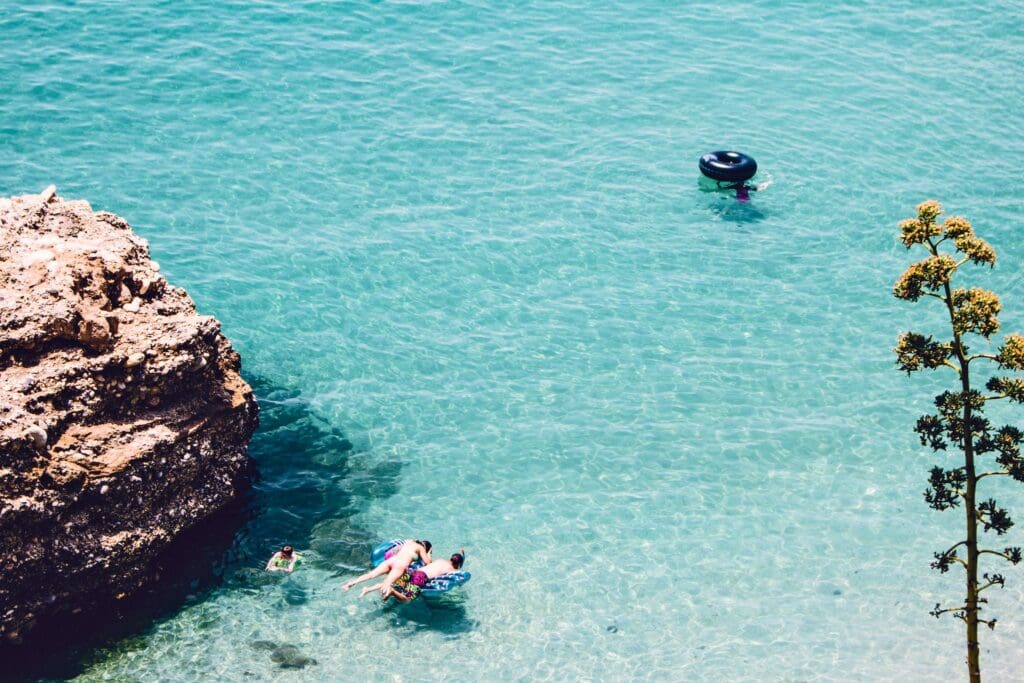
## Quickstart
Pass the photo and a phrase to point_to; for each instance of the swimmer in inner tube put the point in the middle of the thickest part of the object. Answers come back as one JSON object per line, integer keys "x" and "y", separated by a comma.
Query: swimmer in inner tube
{"x": 743, "y": 189}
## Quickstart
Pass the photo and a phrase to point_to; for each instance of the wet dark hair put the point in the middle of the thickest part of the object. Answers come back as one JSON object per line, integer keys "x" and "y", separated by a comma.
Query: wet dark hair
{"x": 286, "y": 550}
{"x": 457, "y": 560}
{"x": 426, "y": 545}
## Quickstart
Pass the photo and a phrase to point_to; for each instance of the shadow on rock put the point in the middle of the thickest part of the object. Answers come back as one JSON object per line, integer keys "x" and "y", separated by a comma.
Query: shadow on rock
{"x": 304, "y": 493}
{"x": 308, "y": 491}
{"x": 253, "y": 578}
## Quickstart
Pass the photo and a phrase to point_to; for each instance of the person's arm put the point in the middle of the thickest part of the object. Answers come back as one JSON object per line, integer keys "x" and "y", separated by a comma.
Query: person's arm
{"x": 270, "y": 563}
{"x": 425, "y": 556}
{"x": 295, "y": 560}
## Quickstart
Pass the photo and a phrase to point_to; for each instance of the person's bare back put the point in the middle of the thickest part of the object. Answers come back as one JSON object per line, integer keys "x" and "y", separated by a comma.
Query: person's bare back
{"x": 439, "y": 567}
{"x": 406, "y": 554}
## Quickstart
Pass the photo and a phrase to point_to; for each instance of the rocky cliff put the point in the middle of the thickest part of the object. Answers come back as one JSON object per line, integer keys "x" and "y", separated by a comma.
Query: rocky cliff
{"x": 123, "y": 418}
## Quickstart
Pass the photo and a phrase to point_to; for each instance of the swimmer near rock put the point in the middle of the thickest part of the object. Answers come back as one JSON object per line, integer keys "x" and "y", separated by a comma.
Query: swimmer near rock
{"x": 729, "y": 170}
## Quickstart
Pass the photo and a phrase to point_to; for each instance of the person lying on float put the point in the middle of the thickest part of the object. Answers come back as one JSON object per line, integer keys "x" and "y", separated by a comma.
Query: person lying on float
{"x": 408, "y": 586}
{"x": 396, "y": 564}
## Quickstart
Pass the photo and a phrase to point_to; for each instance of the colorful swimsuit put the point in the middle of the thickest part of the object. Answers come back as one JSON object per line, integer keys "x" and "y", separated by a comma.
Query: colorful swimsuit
{"x": 409, "y": 584}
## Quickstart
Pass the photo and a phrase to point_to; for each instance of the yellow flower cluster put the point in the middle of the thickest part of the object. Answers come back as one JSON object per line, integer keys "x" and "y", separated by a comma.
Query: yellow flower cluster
{"x": 957, "y": 226}
{"x": 916, "y": 352}
{"x": 929, "y": 210}
{"x": 914, "y": 231}
{"x": 976, "y": 249}
{"x": 1011, "y": 354}
{"x": 931, "y": 273}
{"x": 1010, "y": 387}
{"x": 917, "y": 230}
{"x": 975, "y": 310}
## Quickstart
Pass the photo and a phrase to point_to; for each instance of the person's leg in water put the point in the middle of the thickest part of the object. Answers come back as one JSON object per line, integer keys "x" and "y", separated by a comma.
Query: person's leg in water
{"x": 398, "y": 591}
{"x": 742, "y": 194}
{"x": 389, "y": 593}
{"x": 394, "y": 575}
{"x": 370, "y": 589}
{"x": 372, "y": 574}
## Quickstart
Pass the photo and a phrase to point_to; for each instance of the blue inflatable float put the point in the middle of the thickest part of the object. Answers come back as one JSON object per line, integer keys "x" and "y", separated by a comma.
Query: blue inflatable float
{"x": 435, "y": 587}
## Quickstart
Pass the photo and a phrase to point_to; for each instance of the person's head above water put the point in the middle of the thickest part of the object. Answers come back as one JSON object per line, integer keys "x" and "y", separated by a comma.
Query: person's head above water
{"x": 286, "y": 551}
{"x": 457, "y": 559}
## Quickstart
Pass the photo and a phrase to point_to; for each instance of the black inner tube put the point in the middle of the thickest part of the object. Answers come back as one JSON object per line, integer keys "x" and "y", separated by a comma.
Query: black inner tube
{"x": 726, "y": 165}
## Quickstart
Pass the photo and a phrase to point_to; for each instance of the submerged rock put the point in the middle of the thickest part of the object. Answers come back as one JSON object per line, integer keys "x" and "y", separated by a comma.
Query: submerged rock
{"x": 286, "y": 655}
{"x": 290, "y": 657}
{"x": 251, "y": 577}
{"x": 123, "y": 418}
{"x": 295, "y": 595}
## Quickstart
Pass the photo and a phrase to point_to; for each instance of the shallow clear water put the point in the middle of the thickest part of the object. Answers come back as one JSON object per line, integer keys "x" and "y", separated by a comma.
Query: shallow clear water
{"x": 463, "y": 252}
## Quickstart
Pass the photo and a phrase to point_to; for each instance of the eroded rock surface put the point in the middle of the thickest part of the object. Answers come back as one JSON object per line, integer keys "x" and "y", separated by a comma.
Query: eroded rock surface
{"x": 123, "y": 418}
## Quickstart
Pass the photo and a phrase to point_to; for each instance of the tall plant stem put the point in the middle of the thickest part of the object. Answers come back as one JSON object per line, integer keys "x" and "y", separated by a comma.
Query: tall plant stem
{"x": 970, "y": 496}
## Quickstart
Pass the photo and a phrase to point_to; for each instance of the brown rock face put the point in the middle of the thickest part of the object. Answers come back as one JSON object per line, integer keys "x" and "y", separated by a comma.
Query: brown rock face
{"x": 123, "y": 419}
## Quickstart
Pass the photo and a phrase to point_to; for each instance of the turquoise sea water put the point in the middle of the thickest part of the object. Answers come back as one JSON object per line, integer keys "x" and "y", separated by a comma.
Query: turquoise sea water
{"x": 463, "y": 252}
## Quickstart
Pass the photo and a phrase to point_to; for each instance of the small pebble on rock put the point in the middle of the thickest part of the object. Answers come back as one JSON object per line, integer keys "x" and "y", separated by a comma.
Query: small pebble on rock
{"x": 38, "y": 435}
